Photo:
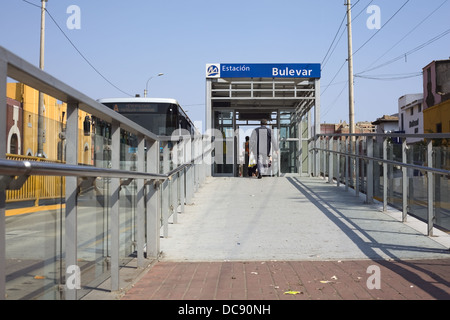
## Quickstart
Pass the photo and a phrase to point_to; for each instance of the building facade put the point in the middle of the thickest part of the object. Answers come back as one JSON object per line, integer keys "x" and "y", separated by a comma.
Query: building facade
{"x": 23, "y": 106}
{"x": 410, "y": 114}
{"x": 436, "y": 86}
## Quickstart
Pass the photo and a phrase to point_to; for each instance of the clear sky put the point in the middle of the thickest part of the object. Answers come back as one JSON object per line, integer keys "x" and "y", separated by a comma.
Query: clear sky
{"x": 128, "y": 42}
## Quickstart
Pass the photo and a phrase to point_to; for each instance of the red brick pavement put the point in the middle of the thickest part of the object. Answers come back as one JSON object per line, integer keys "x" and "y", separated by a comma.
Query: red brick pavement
{"x": 307, "y": 280}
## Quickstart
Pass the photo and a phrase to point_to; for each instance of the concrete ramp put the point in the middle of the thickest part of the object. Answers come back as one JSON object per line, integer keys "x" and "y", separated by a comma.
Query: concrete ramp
{"x": 291, "y": 218}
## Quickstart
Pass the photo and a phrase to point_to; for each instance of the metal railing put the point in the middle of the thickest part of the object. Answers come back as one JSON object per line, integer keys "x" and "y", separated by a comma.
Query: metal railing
{"x": 36, "y": 188}
{"x": 108, "y": 214}
{"x": 414, "y": 178}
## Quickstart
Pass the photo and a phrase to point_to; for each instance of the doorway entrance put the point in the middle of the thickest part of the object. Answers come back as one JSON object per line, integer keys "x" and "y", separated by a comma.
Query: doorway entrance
{"x": 240, "y": 96}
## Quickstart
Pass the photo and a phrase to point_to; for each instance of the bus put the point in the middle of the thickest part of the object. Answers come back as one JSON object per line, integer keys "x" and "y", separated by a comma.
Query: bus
{"x": 158, "y": 115}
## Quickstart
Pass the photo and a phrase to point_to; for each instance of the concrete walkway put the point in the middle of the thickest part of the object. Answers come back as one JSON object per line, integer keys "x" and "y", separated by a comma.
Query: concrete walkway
{"x": 290, "y": 219}
{"x": 246, "y": 238}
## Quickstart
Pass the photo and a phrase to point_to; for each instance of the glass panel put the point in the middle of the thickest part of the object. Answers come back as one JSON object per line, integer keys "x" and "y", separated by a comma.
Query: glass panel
{"x": 394, "y": 152}
{"x": 442, "y": 185}
{"x": 417, "y": 181}
{"x": 288, "y": 159}
{"x": 35, "y": 217}
{"x": 288, "y": 149}
{"x": 93, "y": 210}
{"x": 223, "y": 154}
{"x": 127, "y": 198}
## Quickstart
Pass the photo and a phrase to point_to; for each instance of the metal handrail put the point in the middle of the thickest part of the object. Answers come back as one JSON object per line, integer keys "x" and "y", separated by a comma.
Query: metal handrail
{"x": 392, "y": 162}
{"x": 384, "y": 135}
{"x": 28, "y": 168}
{"x": 389, "y": 135}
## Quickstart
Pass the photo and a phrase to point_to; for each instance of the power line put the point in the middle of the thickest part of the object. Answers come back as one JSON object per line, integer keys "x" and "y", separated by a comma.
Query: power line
{"x": 404, "y": 37}
{"x": 337, "y": 32}
{"x": 402, "y": 56}
{"x": 79, "y": 52}
{"x": 330, "y": 107}
{"x": 335, "y": 75}
{"x": 368, "y": 40}
{"x": 342, "y": 33}
{"x": 391, "y": 77}
{"x": 332, "y": 42}
{"x": 365, "y": 43}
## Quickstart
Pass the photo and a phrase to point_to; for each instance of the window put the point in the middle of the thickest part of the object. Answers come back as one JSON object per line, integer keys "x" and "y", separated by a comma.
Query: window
{"x": 438, "y": 127}
{"x": 419, "y": 108}
{"x": 412, "y": 111}
{"x": 14, "y": 147}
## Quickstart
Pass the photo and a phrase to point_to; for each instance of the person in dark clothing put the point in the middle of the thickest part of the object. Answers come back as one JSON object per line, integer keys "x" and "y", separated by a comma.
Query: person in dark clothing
{"x": 245, "y": 171}
{"x": 260, "y": 143}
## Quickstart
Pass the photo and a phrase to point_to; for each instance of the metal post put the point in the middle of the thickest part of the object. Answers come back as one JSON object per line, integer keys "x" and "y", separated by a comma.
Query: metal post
{"x": 40, "y": 149}
{"x": 140, "y": 203}
{"x": 189, "y": 172}
{"x": 71, "y": 194}
{"x": 330, "y": 160}
{"x": 357, "y": 167}
{"x": 182, "y": 174}
{"x": 404, "y": 182}
{"x": 347, "y": 162}
{"x": 153, "y": 204}
{"x": 115, "y": 222}
{"x": 430, "y": 186}
{"x": 385, "y": 173}
{"x": 165, "y": 207}
{"x": 208, "y": 121}
{"x": 317, "y": 121}
{"x": 338, "y": 162}
{"x": 300, "y": 148}
{"x": 369, "y": 187}
{"x": 174, "y": 197}
{"x": 3, "y": 79}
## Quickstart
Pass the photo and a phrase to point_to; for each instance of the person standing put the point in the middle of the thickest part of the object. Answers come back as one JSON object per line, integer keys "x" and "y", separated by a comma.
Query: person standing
{"x": 245, "y": 171}
{"x": 260, "y": 142}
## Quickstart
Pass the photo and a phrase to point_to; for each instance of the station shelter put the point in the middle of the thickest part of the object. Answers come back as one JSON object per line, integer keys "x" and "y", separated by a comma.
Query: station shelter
{"x": 239, "y": 96}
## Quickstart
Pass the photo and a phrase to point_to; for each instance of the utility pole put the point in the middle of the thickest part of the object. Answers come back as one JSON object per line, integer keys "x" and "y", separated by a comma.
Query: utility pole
{"x": 40, "y": 150}
{"x": 351, "y": 102}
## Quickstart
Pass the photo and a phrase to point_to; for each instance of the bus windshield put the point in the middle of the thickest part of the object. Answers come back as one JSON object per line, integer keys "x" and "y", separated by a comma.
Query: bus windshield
{"x": 159, "y": 118}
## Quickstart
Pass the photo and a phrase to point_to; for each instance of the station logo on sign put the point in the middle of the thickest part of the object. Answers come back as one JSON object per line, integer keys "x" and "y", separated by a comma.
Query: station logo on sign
{"x": 213, "y": 70}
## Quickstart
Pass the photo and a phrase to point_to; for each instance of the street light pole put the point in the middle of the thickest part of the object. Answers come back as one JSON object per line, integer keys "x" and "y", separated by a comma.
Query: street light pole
{"x": 146, "y": 87}
{"x": 40, "y": 149}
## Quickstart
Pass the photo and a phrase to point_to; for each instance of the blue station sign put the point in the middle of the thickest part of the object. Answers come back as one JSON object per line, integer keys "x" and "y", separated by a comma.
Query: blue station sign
{"x": 263, "y": 70}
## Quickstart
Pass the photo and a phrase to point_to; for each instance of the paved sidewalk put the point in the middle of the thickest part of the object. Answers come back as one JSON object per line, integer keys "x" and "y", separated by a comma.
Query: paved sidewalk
{"x": 294, "y": 280}
{"x": 293, "y": 238}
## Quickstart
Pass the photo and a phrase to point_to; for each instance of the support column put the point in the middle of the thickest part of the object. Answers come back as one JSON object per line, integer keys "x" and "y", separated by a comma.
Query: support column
{"x": 3, "y": 77}
{"x": 153, "y": 207}
{"x": 369, "y": 187}
{"x": 404, "y": 183}
{"x": 115, "y": 223}
{"x": 430, "y": 186}
{"x": 209, "y": 123}
{"x": 385, "y": 174}
{"x": 300, "y": 148}
{"x": 140, "y": 185}
{"x": 317, "y": 120}
{"x": 338, "y": 162}
{"x": 357, "y": 173}
{"x": 71, "y": 195}
{"x": 330, "y": 160}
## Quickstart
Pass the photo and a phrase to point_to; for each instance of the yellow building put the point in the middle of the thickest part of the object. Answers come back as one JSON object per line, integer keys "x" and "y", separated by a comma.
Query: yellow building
{"x": 436, "y": 119}
{"x": 54, "y": 121}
